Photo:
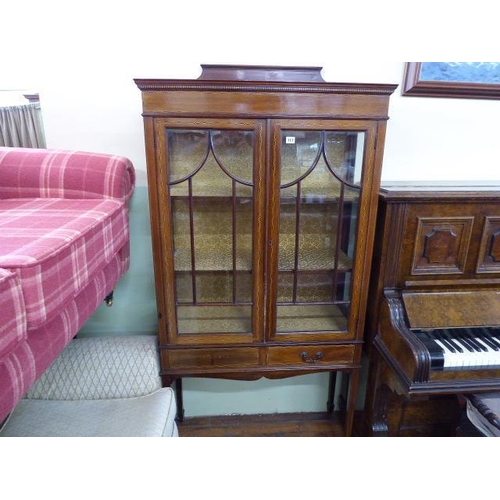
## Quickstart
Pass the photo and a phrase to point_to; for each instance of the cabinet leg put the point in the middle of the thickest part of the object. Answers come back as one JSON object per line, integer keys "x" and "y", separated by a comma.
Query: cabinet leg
{"x": 351, "y": 401}
{"x": 179, "y": 400}
{"x": 343, "y": 391}
{"x": 332, "y": 384}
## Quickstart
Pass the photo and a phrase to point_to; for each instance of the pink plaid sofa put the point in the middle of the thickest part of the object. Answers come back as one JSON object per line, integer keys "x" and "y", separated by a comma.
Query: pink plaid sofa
{"x": 64, "y": 245}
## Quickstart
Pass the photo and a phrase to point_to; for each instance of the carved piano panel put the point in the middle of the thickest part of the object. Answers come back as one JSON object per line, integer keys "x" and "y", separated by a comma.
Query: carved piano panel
{"x": 446, "y": 240}
{"x": 433, "y": 323}
{"x": 489, "y": 253}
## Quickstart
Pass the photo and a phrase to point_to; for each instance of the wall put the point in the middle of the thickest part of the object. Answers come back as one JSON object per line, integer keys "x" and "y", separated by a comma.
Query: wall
{"x": 83, "y": 56}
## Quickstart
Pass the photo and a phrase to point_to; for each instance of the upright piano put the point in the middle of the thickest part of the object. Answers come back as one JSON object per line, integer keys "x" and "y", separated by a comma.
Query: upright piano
{"x": 433, "y": 323}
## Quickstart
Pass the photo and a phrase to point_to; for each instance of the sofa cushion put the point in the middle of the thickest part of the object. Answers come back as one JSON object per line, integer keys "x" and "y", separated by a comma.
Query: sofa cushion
{"x": 152, "y": 415}
{"x": 13, "y": 313}
{"x": 56, "y": 246}
{"x": 102, "y": 368}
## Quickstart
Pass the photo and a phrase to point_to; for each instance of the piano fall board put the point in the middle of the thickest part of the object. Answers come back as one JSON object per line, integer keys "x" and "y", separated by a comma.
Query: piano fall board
{"x": 433, "y": 323}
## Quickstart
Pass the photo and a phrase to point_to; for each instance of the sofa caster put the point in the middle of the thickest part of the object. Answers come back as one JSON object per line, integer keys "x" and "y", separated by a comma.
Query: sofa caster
{"x": 109, "y": 299}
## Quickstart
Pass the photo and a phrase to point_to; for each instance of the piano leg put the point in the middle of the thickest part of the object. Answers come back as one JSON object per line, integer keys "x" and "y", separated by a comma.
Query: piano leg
{"x": 374, "y": 421}
{"x": 380, "y": 423}
{"x": 391, "y": 411}
{"x": 386, "y": 403}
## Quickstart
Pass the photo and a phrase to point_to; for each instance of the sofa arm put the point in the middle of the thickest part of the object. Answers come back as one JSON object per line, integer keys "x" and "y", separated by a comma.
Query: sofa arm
{"x": 48, "y": 173}
{"x": 13, "y": 324}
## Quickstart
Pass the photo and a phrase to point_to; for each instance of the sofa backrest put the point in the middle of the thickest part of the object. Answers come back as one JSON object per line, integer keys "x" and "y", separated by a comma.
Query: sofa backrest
{"x": 49, "y": 173}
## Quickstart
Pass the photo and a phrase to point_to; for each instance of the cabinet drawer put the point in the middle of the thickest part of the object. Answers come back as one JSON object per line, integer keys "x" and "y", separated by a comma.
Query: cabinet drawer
{"x": 310, "y": 355}
{"x": 210, "y": 358}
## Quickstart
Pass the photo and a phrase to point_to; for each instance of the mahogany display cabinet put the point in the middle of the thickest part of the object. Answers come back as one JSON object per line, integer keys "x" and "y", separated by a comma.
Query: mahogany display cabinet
{"x": 263, "y": 185}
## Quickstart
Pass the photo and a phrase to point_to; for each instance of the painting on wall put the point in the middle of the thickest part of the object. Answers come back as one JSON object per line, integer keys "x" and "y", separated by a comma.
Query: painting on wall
{"x": 473, "y": 80}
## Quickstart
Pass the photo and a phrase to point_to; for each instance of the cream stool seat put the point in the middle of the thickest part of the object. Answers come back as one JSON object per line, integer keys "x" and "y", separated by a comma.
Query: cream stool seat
{"x": 103, "y": 386}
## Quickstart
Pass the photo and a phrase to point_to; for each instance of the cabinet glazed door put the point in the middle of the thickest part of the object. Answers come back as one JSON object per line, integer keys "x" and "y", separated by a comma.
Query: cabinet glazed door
{"x": 321, "y": 170}
{"x": 212, "y": 228}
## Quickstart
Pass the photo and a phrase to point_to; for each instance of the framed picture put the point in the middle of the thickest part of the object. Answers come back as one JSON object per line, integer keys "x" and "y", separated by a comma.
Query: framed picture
{"x": 473, "y": 80}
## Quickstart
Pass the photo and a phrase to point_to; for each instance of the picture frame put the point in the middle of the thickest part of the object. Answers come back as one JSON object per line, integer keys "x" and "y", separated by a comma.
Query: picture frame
{"x": 452, "y": 79}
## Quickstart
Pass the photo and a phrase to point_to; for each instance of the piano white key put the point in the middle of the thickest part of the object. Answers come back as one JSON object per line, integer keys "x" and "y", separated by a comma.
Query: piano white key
{"x": 472, "y": 356}
{"x": 487, "y": 356}
{"x": 451, "y": 359}
{"x": 491, "y": 356}
{"x": 461, "y": 359}
{"x": 475, "y": 358}
{"x": 483, "y": 356}
{"x": 469, "y": 357}
{"x": 477, "y": 351}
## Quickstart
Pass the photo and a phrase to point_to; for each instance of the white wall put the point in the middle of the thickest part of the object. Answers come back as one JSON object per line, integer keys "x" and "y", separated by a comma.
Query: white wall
{"x": 83, "y": 56}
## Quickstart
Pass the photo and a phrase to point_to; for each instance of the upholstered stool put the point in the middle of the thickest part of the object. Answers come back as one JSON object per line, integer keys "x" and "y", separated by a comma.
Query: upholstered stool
{"x": 103, "y": 386}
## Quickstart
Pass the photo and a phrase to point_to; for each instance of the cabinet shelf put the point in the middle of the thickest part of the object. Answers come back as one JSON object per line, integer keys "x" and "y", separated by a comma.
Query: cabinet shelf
{"x": 214, "y": 197}
{"x": 308, "y": 196}
{"x": 237, "y": 319}
{"x": 214, "y": 253}
{"x": 214, "y": 319}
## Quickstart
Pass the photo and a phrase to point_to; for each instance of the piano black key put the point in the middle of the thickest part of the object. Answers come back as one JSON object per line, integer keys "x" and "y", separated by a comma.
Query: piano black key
{"x": 453, "y": 338}
{"x": 438, "y": 334}
{"x": 490, "y": 333}
{"x": 464, "y": 340}
{"x": 476, "y": 352}
{"x": 452, "y": 341}
{"x": 466, "y": 356}
{"x": 486, "y": 338}
{"x": 470, "y": 336}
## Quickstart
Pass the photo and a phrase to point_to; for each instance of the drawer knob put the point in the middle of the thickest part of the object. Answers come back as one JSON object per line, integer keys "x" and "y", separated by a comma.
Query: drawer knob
{"x": 305, "y": 356}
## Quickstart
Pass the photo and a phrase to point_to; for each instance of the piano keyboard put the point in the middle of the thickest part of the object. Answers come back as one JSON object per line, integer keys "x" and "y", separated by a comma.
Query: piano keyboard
{"x": 462, "y": 348}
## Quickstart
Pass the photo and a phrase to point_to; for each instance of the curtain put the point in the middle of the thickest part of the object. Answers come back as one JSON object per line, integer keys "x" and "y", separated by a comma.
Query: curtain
{"x": 21, "y": 126}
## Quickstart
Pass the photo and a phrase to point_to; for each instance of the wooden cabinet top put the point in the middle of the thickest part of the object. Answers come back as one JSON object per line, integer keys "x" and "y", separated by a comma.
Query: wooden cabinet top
{"x": 262, "y": 78}
{"x": 274, "y": 90}
{"x": 424, "y": 191}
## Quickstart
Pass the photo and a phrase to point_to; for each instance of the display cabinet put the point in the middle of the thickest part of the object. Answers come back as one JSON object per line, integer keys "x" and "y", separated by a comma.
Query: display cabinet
{"x": 263, "y": 188}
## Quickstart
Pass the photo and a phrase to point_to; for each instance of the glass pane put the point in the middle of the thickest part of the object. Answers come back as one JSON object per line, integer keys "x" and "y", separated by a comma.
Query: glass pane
{"x": 320, "y": 175}
{"x": 234, "y": 150}
{"x": 344, "y": 153}
{"x": 299, "y": 152}
{"x": 310, "y": 318}
{"x": 314, "y": 287}
{"x": 187, "y": 150}
{"x": 214, "y": 319}
{"x": 210, "y": 178}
